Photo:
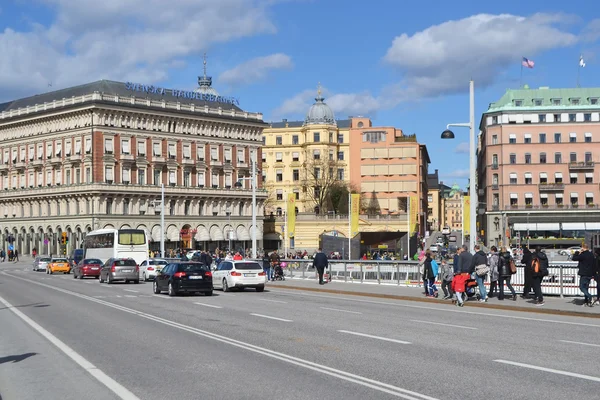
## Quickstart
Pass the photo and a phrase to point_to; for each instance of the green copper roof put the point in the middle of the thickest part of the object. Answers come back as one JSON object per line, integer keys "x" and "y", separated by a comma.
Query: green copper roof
{"x": 545, "y": 98}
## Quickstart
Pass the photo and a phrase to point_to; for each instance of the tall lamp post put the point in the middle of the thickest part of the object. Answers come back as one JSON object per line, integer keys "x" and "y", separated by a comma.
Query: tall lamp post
{"x": 448, "y": 134}
{"x": 253, "y": 183}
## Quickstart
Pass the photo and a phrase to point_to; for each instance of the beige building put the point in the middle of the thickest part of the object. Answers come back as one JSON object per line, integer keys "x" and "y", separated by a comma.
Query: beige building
{"x": 452, "y": 209}
{"x": 537, "y": 166}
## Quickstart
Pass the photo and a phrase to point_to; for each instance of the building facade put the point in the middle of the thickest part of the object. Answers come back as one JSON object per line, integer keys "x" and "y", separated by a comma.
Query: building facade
{"x": 452, "y": 207}
{"x": 536, "y": 166}
{"x": 435, "y": 221}
{"x": 95, "y": 156}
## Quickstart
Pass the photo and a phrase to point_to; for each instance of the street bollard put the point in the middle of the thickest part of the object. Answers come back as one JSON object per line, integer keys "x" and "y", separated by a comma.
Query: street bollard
{"x": 560, "y": 282}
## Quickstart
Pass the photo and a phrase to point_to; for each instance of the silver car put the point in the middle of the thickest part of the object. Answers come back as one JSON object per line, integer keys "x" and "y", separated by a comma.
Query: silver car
{"x": 120, "y": 269}
{"x": 41, "y": 263}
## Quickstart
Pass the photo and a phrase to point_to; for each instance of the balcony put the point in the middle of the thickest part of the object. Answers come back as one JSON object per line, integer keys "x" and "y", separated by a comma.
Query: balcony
{"x": 494, "y": 186}
{"x": 551, "y": 187}
{"x": 56, "y": 160}
{"x": 158, "y": 159}
{"x": 495, "y": 207}
{"x": 75, "y": 158}
{"x": 188, "y": 162}
{"x": 581, "y": 166}
{"x": 552, "y": 207}
{"x": 127, "y": 157}
{"x": 38, "y": 162}
{"x": 216, "y": 163}
{"x": 494, "y": 166}
{"x": 3, "y": 167}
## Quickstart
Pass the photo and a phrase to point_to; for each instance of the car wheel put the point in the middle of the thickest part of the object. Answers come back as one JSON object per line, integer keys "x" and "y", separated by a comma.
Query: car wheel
{"x": 225, "y": 285}
{"x": 260, "y": 289}
{"x": 74, "y": 275}
{"x": 209, "y": 293}
{"x": 108, "y": 279}
{"x": 137, "y": 281}
{"x": 51, "y": 272}
{"x": 172, "y": 291}
{"x": 145, "y": 277}
{"x": 100, "y": 278}
{"x": 155, "y": 288}
{"x": 81, "y": 276}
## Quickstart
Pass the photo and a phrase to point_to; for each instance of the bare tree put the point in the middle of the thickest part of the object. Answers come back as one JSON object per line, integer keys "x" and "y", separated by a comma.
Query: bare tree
{"x": 319, "y": 181}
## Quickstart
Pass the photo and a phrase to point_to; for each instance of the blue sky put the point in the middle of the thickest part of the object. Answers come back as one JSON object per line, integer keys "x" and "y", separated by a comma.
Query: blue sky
{"x": 403, "y": 64}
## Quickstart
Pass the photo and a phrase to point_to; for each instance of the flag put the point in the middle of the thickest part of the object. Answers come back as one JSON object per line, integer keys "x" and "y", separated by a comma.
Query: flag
{"x": 414, "y": 215}
{"x": 291, "y": 214}
{"x": 354, "y": 212}
{"x": 466, "y": 215}
{"x": 527, "y": 63}
{"x": 581, "y": 62}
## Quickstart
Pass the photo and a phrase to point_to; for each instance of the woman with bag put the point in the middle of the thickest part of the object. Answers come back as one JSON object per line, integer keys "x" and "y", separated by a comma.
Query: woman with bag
{"x": 506, "y": 267}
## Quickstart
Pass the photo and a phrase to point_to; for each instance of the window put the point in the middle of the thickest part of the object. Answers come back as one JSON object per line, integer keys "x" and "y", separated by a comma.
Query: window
{"x": 214, "y": 154}
{"x": 374, "y": 137}
{"x": 48, "y": 152}
{"x": 558, "y": 177}
{"x": 557, "y": 138}
{"x": 330, "y": 137}
{"x": 330, "y": 155}
{"x": 340, "y": 138}
{"x": 494, "y": 139}
{"x": 557, "y": 158}
{"x": 494, "y": 120}
{"x": 108, "y": 146}
{"x": 527, "y": 158}
{"x": 544, "y": 199}
{"x": 588, "y": 137}
{"x": 279, "y": 194}
{"x": 559, "y": 199}
{"x": 587, "y": 117}
{"x": 22, "y": 154}
{"x": 317, "y": 192}
{"x": 512, "y": 138}
{"x": 537, "y": 102}
{"x": 215, "y": 180}
{"x": 125, "y": 146}
{"x": 495, "y": 160}
{"x": 186, "y": 179}
{"x": 588, "y": 158}
{"x": 513, "y": 158}
{"x": 201, "y": 179}
{"x": 88, "y": 145}
{"x": 227, "y": 154}
{"x": 589, "y": 199}
{"x": 542, "y": 118}
{"x": 156, "y": 149}
{"x": 573, "y": 157}
{"x": 573, "y": 177}
{"x": 542, "y": 138}
{"x": 157, "y": 176}
{"x": 126, "y": 175}
{"x": 240, "y": 156}
{"x": 572, "y": 117}
{"x": 108, "y": 174}
{"x": 295, "y": 139}
{"x": 187, "y": 152}
{"x": 172, "y": 178}
{"x": 572, "y": 137}
{"x": 141, "y": 148}
{"x": 297, "y": 194}
{"x": 513, "y": 178}
{"x": 575, "y": 102}
{"x": 109, "y": 206}
{"x": 589, "y": 177}
{"x": 518, "y": 103}
{"x": 593, "y": 101}
{"x": 528, "y": 178}
{"x": 141, "y": 176}
{"x": 88, "y": 175}
{"x": 279, "y": 175}
{"x": 340, "y": 156}
{"x": 295, "y": 156}
{"x": 527, "y": 138}
{"x": 340, "y": 174}
{"x": 172, "y": 205}
{"x": 543, "y": 178}
{"x": 556, "y": 102}
{"x": 574, "y": 199}
{"x": 514, "y": 200}
{"x": 317, "y": 154}
{"x": 278, "y": 140}
{"x": 296, "y": 174}
{"x": 317, "y": 173}
{"x": 186, "y": 207}
{"x": 542, "y": 158}
{"x": 528, "y": 199}
{"x": 316, "y": 137}
{"x": 264, "y": 157}
{"x": 200, "y": 152}
{"x": 494, "y": 182}
{"x": 278, "y": 157}
{"x": 172, "y": 151}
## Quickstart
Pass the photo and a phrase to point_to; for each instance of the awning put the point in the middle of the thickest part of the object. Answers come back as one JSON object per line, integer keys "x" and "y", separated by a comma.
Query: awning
{"x": 573, "y": 174}
{"x": 573, "y": 226}
{"x": 525, "y": 227}
{"x": 548, "y": 226}
{"x": 589, "y": 194}
{"x": 543, "y": 175}
{"x": 527, "y": 136}
{"x": 588, "y": 134}
{"x": 216, "y": 233}
{"x": 559, "y": 195}
{"x": 514, "y": 196}
{"x": 173, "y": 233}
{"x": 271, "y": 236}
{"x": 543, "y": 195}
{"x": 572, "y": 134}
{"x": 574, "y": 195}
{"x": 592, "y": 226}
{"x": 512, "y": 136}
{"x": 202, "y": 234}
{"x": 528, "y": 175}
{"x": 242, "y": 233}
{"x": 513, "y": 175}
{"x": 529, "y": 195}
{"x": 156, "y": 233}
{"x": 589, "y": 174}
{"x": 558, "y": 175}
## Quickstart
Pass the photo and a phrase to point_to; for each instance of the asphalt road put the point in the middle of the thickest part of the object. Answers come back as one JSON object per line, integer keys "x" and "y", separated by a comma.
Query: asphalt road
{"x": 70, "y": 339}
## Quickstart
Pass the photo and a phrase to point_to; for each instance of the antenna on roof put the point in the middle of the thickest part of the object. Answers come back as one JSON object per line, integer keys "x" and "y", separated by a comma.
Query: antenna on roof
{"x": 50, "y": 84}
{"x": 204, "y": 62}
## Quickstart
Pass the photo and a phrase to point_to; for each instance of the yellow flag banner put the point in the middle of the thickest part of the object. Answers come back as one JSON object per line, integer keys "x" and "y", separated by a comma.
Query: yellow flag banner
{"x": 466, "y": 211}
{"x": 355, "y": 211}
{"x": 291, "y": 214}
{"x": 414, "y": 212}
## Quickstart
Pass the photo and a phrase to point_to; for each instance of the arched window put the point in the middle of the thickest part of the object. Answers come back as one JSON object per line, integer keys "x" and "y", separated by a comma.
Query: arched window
{"x": 279, "y": 211}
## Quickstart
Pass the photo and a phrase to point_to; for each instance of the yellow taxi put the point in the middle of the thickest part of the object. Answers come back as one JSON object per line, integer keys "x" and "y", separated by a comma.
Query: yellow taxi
{"x": 59, "y": 265}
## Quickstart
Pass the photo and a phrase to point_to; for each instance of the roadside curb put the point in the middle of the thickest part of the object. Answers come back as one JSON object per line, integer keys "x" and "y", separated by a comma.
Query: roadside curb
{"x": 547, "y": 311}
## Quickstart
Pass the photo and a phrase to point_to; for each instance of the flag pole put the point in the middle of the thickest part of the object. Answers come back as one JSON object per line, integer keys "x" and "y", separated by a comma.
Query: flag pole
{"x": 521, "y": 78}
{"x": 579, "y": 69}
{"x": 350, "y": 225}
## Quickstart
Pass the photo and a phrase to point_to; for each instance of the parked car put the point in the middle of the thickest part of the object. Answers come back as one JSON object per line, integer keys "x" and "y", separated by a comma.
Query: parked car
{"x": 240, "y": 275}
{"x": 150, "y": 267}
{"x": 58, "y": 265}
{"x": 87, "y": 267}
{"x": 120, "y": 269}
{"x": 184, "y": 277}
{"x": 76, "y": 257}
{"x": 570, "y": 251}
{"x": 41, "y": 263}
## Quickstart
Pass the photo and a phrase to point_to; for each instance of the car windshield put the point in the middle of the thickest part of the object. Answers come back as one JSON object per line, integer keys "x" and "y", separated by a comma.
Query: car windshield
{"x": 92, "y": 261}
{"x": 45, "y": 259}
{"x": 191, "y": 267}
{"x": 248, "y": 265}
{"x": 158, "y": 262}
{"x": 125, "y": 263}
{"x": 57, "y": 260}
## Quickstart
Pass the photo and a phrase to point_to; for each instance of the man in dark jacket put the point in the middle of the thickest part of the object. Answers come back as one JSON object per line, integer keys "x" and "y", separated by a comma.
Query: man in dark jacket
{"x": 479, "y": 259}
{"x": 320, "y": 262}
{"x": 587, "y": 270}
{"x": 465, "y": 259}
{"x": 537, "y": 277}
{"x": 456, "y": 261}
{"x": 526, "y": 260}
{"x": 206, "y": 259}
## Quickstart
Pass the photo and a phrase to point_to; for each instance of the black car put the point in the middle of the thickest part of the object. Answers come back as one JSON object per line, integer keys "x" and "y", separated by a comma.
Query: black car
{"x": 184, "y": 277}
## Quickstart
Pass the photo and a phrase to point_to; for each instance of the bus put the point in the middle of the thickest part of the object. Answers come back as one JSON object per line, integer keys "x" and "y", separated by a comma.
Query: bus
{"x": 116, "y": 243}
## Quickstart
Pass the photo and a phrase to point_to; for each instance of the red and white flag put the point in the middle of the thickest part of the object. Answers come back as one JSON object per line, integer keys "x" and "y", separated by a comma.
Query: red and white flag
{"x": 527, "y": 63}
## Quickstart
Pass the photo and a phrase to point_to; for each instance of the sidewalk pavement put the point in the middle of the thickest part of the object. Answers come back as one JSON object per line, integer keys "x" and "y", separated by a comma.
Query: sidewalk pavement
{"x": 571, "y": 306}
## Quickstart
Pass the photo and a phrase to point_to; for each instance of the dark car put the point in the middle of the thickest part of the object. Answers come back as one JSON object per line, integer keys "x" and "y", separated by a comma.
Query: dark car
{"x": 76, "y": 257}
{"x": 184, "y": 277}
{"x": 88, "y": 267}
{"x": 120, "y": 269}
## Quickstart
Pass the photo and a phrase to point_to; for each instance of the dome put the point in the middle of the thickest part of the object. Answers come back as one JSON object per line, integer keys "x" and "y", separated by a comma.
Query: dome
{"x": 319, "y": 113}
{"x": 205, "y": 83}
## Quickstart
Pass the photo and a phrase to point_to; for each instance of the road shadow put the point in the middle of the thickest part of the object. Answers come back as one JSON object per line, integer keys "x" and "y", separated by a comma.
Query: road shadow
{"x": 16, "y": 358}
{"x": 27, "y": 305}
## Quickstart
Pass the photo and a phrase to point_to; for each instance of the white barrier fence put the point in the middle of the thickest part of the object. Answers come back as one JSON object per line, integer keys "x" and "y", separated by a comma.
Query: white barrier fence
{"x": 562, "y": 279}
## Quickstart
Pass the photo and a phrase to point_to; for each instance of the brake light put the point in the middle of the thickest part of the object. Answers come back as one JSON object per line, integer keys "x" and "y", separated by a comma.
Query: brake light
{"x": 262, "y": 273}
{"x": 179, "y": 274}
{"x": 208, "y": 273}
{"x": 137, "y": 268}
{"x": 150, "y": 268}
{"x": 112, "y": 269}
{"x": 235, "y": 273}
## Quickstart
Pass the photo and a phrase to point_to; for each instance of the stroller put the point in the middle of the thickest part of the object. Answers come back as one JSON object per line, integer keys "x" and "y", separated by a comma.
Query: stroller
{"x": 278, "y": 274}
{"x": 464, "y": 285}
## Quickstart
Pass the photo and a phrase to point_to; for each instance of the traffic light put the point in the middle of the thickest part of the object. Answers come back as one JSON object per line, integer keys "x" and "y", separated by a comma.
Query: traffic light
{"x": 64, "y": 239}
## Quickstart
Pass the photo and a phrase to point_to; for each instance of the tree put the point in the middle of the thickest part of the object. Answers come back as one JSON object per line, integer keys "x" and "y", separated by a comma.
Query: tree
{"x": 320, "y": 181}
{"x": 373, "y": 208}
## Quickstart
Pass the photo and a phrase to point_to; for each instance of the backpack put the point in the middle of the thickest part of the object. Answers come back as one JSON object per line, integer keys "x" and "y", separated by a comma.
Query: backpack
{"x": 538, "y": 267}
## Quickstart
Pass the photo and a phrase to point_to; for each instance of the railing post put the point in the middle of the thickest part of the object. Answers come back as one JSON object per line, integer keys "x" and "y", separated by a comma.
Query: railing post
{"x": 362, "y": 274}
{"x": 345, "y": 271}
{"x": 560, "y": 282}
{"x": 304, "y": 271}
{"x": 379, "y": 273}
{"x": 398, "y": 273}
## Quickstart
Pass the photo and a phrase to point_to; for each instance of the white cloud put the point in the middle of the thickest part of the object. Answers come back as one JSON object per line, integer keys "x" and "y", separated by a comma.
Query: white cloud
{"x": 462, "y": 148}
{"x": 256, "y": 69}
{"x": 121, "y": 39}
{"x": 458, "y": 173}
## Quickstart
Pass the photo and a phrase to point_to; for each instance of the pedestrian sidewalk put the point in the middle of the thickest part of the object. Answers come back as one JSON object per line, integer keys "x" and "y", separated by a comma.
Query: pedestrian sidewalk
{"x": 571, "y": 306}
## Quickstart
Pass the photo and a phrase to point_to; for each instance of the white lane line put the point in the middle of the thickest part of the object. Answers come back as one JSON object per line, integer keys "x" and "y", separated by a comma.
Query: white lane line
{"x": 445, "y": 310}
{"x": 581, "y": 343}
{"x": 275, "y": 301}
{"x": 374, "y": 337}
{"x": 132, "y": 291}
{"x": 439, "y": 323}
{"x": 88, "y": 282}
{"x": 99, "y": 297}
{"x": 299, "y": 362}
{"x": 117, "y": 295}
{"x": 338, "y": 310}
{"x": 553, "y": 371}
{"x": 275, "y": 318}
{"x": 97, "y": 373}
{"x": 160, "y": 296}
{"x": 130, "y": 295}
{"x": 226, "y": 294}
{"x": 208, "y": 305}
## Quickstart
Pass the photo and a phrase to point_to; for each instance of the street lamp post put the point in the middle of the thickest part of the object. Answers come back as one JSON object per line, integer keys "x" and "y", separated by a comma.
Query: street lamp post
{"x": 253, "y": 182}
{"x": 448, "y": 134}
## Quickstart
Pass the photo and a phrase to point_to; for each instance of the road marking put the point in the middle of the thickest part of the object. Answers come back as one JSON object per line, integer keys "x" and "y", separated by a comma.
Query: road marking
{"x": 581, "y": 343}
{"x": 445, "y": 310}
{"x": 97, "y": 373}
{"x": 553, "y": 371}
{"x": 318, "y": 368}
{"x": 129, "y": 295}
{"x": 338, "y": 310}
{"x": 226, "y": 294}
{"x": 88, "y": 282}
{"x": 99, "y": 297}
{"x": 374, "y": 337}
{"x": 132, "y": 291}
{"x": 117, "y": 295}
{"x": 275, "y": 301}
{"x": 208, "y": 305}
{"x": 439, "y": 323}
{"x": 275, "y": 318}
{"x": 160, "y": 296}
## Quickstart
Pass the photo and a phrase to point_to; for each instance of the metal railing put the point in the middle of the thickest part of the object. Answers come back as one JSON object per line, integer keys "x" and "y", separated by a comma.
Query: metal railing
{"x": 562, "y": 279}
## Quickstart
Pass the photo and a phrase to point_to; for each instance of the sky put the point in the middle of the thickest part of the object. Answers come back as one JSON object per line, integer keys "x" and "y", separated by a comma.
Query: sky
{"x": 403, "y": 64}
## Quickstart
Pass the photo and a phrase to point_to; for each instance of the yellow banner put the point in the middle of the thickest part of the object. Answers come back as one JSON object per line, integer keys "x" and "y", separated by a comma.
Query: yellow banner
{"x": 355, "y": 211}
{"x": 414, "y": 213}
{"x": 466, "y": 211}
{"x": 291, "y": 214}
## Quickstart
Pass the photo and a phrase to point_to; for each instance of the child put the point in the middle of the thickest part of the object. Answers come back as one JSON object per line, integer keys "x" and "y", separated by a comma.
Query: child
{"x": 447, "y": 276}
{"x": 458, "y": 285}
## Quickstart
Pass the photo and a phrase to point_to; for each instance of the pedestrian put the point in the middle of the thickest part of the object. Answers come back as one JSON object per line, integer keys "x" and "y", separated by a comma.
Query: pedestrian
{"x": 447, "y": 276}
{"x": 320, "y": 263}
{"x": 422, "y": 271}
{"x": 34, "y": 252}
{"x": 430, "y": 273}
{"x": 539, "y": 269}
{"x": 526, "y": 261}
{"x": 505, "y": 273}
{"x": 493, "y": 263}
{"x": 465, "y": 259}
{"x": 237, "y": 256}
{"x": 586, "y": 263}
{"x": 597, "y": 275}
{"x": 479, "y": 265}
{"x": 266, "y": 264}
{"x": 456, "y": 261}
{"x": 3, "y": 255}
{"x": 16, "y": 255}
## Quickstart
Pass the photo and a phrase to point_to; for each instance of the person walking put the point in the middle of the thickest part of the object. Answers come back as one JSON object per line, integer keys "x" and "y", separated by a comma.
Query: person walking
{"x": 493, "y": 263}
{"x": 505, "y": 273}
{"x": 266, "y": 264}
{"x": 320, "y": 262}
{"x": 430, "y": 269}
{"x": 447, "y": 276}
{"x": 456, "y": 261}
{"x": 275, "y": 261}
{"x": 479, "y": 263}
{"x": 16, "y": 255}
{"x": 528, "y": 275}
{"x": 539, "y": 269}
{"x": 586, "y": 263}
{"x": 465, "y": 261}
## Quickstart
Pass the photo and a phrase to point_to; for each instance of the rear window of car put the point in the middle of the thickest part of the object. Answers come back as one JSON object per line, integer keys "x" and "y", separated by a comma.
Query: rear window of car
{"x": 184, "y": 267}
{"x": 248, "y": 265}
{"x": 158, "y": 262}
{"x": 59, "y": 260}
{"x": 92, "y": 261}
{"x": 45, "y": 259}
{"x": 125, "y": 263}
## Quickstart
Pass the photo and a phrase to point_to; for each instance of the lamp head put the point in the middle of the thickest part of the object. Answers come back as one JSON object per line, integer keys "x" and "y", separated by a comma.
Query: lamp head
{"x": 238, "y": 184}
{"x": 447, "y": 134}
